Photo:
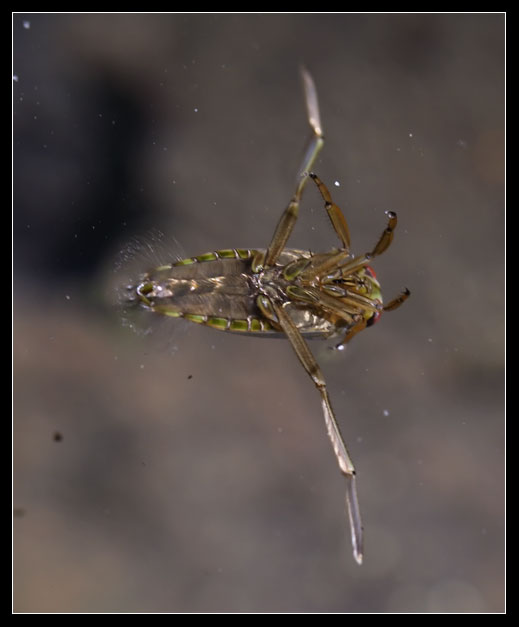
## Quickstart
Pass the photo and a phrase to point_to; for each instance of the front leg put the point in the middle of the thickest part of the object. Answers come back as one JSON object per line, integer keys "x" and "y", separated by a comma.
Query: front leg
{"x": 339, "y": 447}
{"x": 363, "y": 323}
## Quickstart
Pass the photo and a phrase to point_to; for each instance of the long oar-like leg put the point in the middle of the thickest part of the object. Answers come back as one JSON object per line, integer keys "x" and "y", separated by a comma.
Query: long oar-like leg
{"x": 289, "y": 218}
{"x": 341, "y": 452}
{"x": 316, "y": 141}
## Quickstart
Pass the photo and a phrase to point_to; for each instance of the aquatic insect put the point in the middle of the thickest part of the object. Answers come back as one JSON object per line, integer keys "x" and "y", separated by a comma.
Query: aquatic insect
{"x": 279, "y": 290}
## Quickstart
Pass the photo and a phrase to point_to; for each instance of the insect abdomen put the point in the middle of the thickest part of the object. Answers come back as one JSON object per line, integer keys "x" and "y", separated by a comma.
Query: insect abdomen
{"x": 213, "y": 289}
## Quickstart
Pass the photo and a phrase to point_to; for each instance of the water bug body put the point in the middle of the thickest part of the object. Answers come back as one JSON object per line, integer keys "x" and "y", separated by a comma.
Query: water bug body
{"x": 280, "y": 291}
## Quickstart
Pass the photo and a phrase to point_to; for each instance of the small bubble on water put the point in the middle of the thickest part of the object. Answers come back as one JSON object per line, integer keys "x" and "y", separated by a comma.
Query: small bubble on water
{"x": 386, "y": 412}
{"x": 337, "y": 184}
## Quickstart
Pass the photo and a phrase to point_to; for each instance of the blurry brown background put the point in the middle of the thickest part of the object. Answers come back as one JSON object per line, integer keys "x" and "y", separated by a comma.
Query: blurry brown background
{"x": 199, "y": 477}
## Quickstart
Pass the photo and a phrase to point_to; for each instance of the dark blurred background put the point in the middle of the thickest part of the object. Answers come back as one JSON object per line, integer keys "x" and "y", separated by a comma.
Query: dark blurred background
{"x": 194, "y": 473}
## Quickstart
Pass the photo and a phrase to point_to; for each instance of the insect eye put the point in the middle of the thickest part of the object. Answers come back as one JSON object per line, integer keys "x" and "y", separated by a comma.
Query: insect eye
{"x": 370, "y": 272}
{"x": 374, "y": 318}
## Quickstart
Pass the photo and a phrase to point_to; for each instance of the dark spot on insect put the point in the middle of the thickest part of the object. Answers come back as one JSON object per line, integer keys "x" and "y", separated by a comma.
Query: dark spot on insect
{"x": 57, "y": 437}
{"x": 189, "y": 376}
{"x": 374, "y": 318}
{"x": 18, "y": 512}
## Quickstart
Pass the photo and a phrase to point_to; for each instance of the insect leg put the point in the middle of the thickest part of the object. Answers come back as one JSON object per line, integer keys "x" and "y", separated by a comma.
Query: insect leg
{"x": 381, "y": 246}
{"x": 289, "y": 217}
{"x": 316, "y": 141}
{"x": 387, "y": 235}
{"x": 334, "y": 213}
{"x": 283, "y": 230}
{"x": 391, "y": 306}
{"x": 396, "y": 302}
{"x": 361, "y": 324}
{"x": 339, "y": 447}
